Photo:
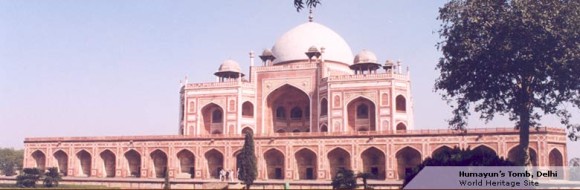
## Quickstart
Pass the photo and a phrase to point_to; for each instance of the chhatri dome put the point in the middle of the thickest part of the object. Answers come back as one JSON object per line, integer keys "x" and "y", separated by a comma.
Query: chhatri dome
{"x": 229, "y": 68}
{"x": 292, "y": 45}
{"x": 365, "y": 56}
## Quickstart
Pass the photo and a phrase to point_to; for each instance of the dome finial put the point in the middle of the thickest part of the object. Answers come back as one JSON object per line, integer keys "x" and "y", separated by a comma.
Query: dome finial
{"x": 310, "y": 16}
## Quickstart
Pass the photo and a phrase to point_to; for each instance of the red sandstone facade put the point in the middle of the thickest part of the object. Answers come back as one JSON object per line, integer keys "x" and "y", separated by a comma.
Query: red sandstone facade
{"x": 311, "y": 112}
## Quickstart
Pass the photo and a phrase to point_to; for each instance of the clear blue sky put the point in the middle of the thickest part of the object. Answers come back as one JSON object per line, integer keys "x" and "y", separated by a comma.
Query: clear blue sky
{"x": 95, "y": 68}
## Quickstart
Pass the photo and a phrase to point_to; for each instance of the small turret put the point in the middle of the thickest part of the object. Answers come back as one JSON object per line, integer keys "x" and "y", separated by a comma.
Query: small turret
{"x": 365, "y": 61}
{"x": 229, "y": 70}
{"x": 267, "y": 57}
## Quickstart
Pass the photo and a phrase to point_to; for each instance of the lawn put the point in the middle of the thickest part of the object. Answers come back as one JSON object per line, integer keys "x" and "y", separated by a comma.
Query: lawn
{"x": 62, "y": 186}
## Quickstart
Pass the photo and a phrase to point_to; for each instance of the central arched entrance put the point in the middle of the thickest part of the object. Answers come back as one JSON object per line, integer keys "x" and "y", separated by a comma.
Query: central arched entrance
{"x": 361, "y": 115}
{"x": 288, "y": 110}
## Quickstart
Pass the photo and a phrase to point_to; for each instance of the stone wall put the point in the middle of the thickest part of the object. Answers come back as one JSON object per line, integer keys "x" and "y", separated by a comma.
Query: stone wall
{"x": 386, "y": 152}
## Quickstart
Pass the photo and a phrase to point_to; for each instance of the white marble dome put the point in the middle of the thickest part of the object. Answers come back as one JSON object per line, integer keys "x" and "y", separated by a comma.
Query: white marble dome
{"x": 294, "y": 43}
{"x": 365, "y": 56}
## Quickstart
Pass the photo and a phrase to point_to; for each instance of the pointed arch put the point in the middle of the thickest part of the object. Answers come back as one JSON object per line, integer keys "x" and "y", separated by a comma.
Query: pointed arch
{"x": 401, "y": 103}
{"x": 484, "y": 149}
{"x": 159, "y": 163}
{"x": 247, "y": 130}
{"x": 307, "y": 163}
{"x": 61, "y": 158}
{"x": 512, "y": 155}
{"x": 323, "y": 128}
{"x": 284, "y": 107}
{"x": 239, "y": 160}
{"x": 407, "y": 159}
{"x": 374, "y": 162}
{"x": 274, "y": 163}
{"x": 248, "y": 109}
{"x": 441, "y": 150}
{"x": 338, "y": 158}
{"x": 84, "y": 163}
{"x": 212, "y": 116}
{"x": 401, "y": 127}
{"x": 361, "y": 114}
{"x": 133, "y": 160}
{"x": 215, "y": 162}
{"x": 109, "y": 162}
{"x": 555, "y": 158}
{"x": 186, "y": 162}
{"x": 39, "y": 159}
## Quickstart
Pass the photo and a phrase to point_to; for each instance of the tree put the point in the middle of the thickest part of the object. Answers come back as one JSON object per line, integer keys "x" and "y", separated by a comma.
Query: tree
{"x": 248, "y": 166}
{"x": 29, "y": 177}
{"x": 299, "y": 4}
{"x": 166, "y": 183}
{"x": 9, "y": 160}
{"x": 344, "y": 179}
{"x": 52, "y": 177}
{"x": 514, "y": 57}
{"x": 459, "y": 157}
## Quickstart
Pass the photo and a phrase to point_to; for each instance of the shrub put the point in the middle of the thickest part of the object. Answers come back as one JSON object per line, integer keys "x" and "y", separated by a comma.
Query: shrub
{"x": 344, "y": 179}
{"x": 52, "y": 177}
{"x": 29, "y": 177}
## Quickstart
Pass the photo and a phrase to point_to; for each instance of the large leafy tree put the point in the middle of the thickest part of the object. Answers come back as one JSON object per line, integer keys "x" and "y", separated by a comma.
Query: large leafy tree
{"x": 9, "y": 160}
{"x": 514, "y": 57}
{"x": 248, "y": 166}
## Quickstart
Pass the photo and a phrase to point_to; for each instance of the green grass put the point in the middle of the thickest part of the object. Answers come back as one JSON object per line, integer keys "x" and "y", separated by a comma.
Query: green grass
{"x": 61, "y": 186}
